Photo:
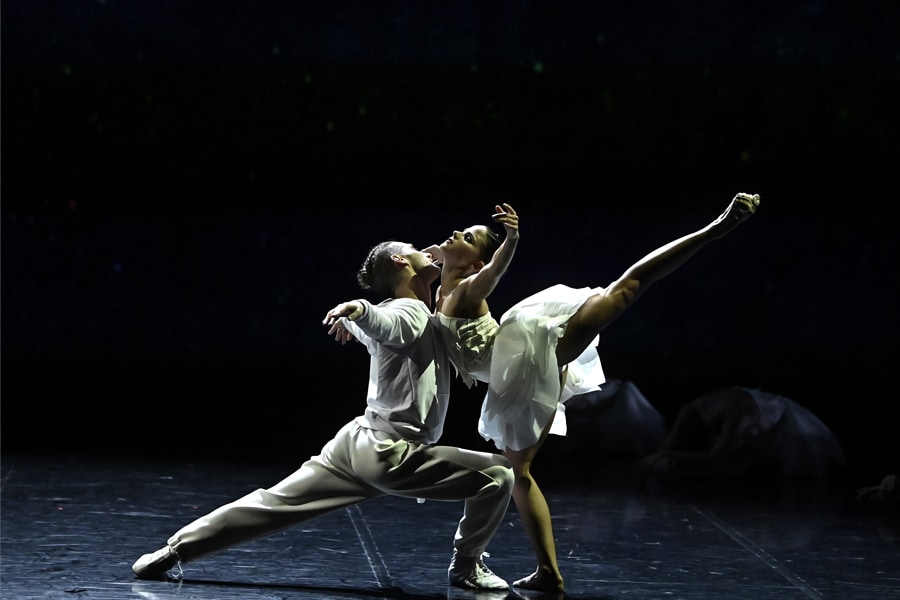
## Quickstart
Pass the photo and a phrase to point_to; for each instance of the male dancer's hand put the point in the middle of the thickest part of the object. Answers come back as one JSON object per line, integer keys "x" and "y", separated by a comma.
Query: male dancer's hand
{"x": 351, "y": 310}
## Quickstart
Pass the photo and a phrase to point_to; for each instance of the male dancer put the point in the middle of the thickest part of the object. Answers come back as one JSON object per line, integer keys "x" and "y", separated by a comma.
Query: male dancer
{"x": 390, "y": 449}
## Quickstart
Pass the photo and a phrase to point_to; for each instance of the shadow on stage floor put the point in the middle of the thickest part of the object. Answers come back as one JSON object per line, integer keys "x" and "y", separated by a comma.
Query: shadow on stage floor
{"x": 73, "y": 525}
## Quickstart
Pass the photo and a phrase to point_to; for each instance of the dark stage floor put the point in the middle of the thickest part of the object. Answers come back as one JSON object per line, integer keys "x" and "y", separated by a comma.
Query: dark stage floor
{"x": 72, "y": 527}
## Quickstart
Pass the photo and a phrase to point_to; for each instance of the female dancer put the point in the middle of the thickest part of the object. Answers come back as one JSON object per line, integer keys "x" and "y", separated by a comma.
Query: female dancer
{"x": 543, "y": 351}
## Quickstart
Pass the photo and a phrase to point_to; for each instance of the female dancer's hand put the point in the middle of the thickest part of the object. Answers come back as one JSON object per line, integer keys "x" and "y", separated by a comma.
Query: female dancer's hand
{"x": 506, "y": 215}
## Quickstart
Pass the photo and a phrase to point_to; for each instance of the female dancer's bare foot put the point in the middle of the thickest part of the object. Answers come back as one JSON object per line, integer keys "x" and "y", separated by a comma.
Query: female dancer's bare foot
{"x": 741, "y": 208}
{"x": 541, "y": 581}
{"x": 745, "y": 204}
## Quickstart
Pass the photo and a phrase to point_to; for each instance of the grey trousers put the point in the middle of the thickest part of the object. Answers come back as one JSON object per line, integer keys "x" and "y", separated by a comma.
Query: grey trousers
{"x": 359, "y": 464}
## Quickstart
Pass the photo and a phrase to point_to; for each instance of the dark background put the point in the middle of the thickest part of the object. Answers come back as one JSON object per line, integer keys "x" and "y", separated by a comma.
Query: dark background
{"x": 187, "y": 188}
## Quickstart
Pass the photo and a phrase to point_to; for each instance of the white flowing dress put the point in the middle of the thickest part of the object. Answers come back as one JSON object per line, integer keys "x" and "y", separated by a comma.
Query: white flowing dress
{"x": 520, "y": 365}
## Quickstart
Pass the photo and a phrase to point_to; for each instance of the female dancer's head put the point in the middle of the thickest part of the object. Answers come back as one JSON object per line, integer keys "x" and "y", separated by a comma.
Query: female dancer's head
{"x": 475, "y": 244}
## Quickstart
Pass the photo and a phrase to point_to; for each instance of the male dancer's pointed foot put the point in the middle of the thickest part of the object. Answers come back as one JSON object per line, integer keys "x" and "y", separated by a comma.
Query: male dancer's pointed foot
{"x": 541, "y": 581}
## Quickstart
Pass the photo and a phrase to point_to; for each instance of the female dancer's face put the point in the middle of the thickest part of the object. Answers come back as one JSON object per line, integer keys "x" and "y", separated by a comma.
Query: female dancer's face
{"x": 465, "y": 245}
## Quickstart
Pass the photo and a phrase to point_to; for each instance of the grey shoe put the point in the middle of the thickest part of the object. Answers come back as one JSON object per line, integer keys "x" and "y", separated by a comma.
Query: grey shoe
{"x": 155, "y": 565}
{"x": 471, "y": 573}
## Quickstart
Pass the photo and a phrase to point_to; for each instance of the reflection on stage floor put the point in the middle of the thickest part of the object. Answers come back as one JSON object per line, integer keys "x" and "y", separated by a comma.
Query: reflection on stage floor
{"x": 73, "y": 525}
